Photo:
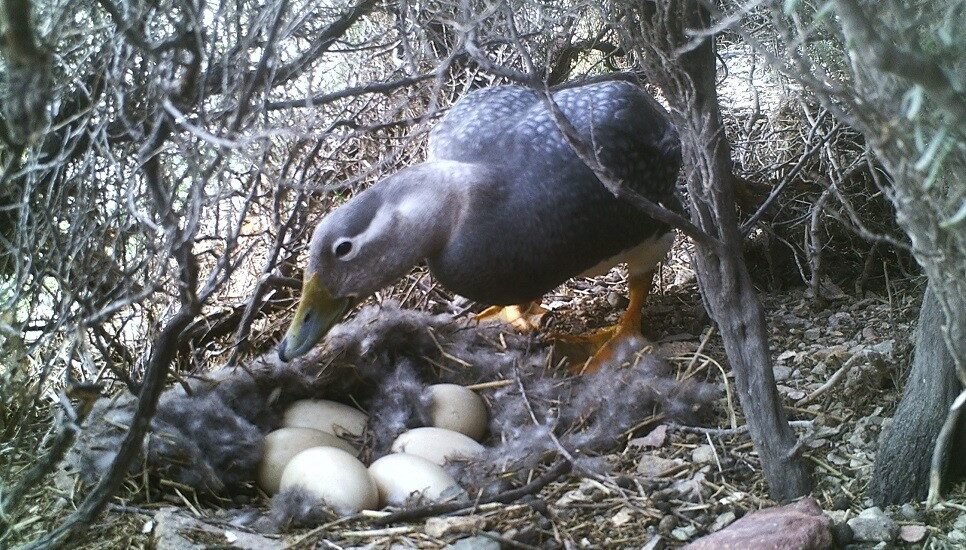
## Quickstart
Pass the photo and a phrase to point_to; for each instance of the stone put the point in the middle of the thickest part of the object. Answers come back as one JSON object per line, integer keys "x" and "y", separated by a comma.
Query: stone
{"x": 841, "y": 502}
{"x": 703, "y": 454}
{"x": 813, "y": 334}
{"x": 171, "y": 530}
{"x": 913, "y": 533}
{"x": 800, "y": 525}
{"x": 722, "y": 521}
{"x": 684, "y": 533}
{"x": 842, "y": 533}
{"x": 885, "y": 348}
{"x": 439, "y": 527}
{"x": 667, "y": 524}
{"x": 653, "y": 440}
{"x": 656, "y": 466}
{"x": 909, "y": 512}
{"x": 782, "y": 372}
{"x": 656, "y": 543}
{"x": 873, "y": 525}
{"x": 478, "y": 542}
{"x": 841, "y": 318}
{"x": 692, "y": 488}
{"x": 623, "y": 516}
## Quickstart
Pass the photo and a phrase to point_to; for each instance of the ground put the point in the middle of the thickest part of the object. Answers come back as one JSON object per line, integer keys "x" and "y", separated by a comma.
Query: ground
{"x": 666, "y": 480}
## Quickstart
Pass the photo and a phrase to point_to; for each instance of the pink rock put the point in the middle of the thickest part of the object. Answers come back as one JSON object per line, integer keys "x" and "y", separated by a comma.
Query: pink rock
{"x": 801, "y": 525}
{"x": 912, "y": 533}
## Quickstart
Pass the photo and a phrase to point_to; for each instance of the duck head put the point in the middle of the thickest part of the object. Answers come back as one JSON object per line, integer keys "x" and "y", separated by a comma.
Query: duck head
{"x": 366, "y": 244}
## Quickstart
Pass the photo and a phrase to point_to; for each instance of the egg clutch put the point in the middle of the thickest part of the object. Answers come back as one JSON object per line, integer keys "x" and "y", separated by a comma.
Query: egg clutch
{"x": 314, "y": 452}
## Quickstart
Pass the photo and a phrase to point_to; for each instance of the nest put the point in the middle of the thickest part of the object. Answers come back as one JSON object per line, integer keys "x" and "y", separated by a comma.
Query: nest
{"x": 207, "y": 432}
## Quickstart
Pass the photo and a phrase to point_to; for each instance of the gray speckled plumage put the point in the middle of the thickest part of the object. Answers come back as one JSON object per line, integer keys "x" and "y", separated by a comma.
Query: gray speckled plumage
{"x": 503, "y": 210}
{"x": 541, "y": 216}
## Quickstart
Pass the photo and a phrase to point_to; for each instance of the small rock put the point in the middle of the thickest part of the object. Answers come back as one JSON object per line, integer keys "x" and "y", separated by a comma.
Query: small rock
{"x": 622, "y": 517}
{"x": 841, "y": 318}
{"x": 478, "y": 542}
{"x": 913, "y": 533}
{"x": 798, "y": 525}
{"x": 723, "y": 521}
{"x": 570, "y": 497}
{"x": 439, "y": 527}
{"x": 653, "y": 440}
{"x": 909, "y": 512}
{"x": 841, "y": 502}
{"x": 960, "y": 523}
{"x": 667, "y": 524}
{"x": 174, "y": 531}
{"x": 873, "y": 525}
{"x": 684, "y": 533}
{"x": 656, "y": 466}
{"x": 692, "y": 489}
{"x": 616, "y": 299}
{"x": 703, "y": 454}
{"x": 885, "y": 348}
{"x": 656, "y": 543}
{"x": 842, "y": 533}
{"x": 782, "y": 372}
{"x": 813, "y": 334}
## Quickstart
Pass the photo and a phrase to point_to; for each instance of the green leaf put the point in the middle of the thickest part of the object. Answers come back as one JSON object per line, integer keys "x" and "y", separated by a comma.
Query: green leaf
{"x": 958, "y": 217}
{"x": 912, "y": 101}
{"x": 789, "y": 6}
{"x": 824, "y": 10}
{"x": 931, "y": 151}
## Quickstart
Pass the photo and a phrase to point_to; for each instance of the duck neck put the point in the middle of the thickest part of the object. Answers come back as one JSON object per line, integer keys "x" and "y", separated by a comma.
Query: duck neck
{"x": 431, "y": 200}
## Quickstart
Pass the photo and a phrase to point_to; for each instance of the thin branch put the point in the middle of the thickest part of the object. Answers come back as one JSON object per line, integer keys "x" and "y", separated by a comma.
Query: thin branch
{"x": 561, "y": 468}
{"x": 617, "y": 187}
{"x": 354, "y": 91}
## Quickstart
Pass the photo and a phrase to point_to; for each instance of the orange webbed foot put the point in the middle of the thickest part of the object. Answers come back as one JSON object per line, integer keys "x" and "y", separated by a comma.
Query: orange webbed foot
{"x": 524, "y": 318}
{"x": 613, "y": 345}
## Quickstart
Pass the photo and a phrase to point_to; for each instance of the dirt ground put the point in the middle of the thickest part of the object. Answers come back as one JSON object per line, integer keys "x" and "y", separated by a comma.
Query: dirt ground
{"x": 667, "y": 484}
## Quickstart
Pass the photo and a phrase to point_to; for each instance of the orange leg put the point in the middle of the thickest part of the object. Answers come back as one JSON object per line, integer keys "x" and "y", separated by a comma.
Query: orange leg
{"x": 524, "y": 317}
{"x": 589, "y": 352}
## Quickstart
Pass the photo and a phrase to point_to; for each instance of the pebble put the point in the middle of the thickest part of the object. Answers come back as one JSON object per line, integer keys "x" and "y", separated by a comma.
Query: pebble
{"x": 841, "y": 502}
{"x": 909, "y": 512}
{"x": 684, "y": 533}
{"x": 655, "y": 466}
{"x": 703, "y": 454}
{"x": 873, "y": 525}
{"x": 478, "y": 542}
{"x": 439, "y": 527}
{"x": 723, "y": 521}
{"x": 782, "y": 372}
{"x": 912, "y": 533}
{"x": 842, "y": 533}
{"x": 667, "y": 524}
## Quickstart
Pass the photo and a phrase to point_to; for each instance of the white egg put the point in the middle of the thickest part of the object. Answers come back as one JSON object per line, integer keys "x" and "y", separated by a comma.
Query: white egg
{"x": 453, "y": 407}
{"x": 283, "y": 444}
{"x": 400, "y": 477}
{"x": 327, "y": 416}
{"x": 334, "y": 477}
{"x": 436, "y": 445}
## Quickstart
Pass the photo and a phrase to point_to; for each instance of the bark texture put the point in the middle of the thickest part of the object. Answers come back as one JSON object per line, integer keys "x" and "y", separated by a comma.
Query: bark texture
{"x": 684, "y": 68}
{"x": 902, "y": 465}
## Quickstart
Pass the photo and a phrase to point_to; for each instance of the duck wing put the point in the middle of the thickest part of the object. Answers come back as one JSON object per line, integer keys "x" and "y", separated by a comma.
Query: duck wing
{"x": 510, "y": 126}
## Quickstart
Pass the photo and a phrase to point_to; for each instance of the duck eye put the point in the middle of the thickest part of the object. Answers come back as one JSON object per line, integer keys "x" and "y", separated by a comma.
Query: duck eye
{"x": 343, "y": 248}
